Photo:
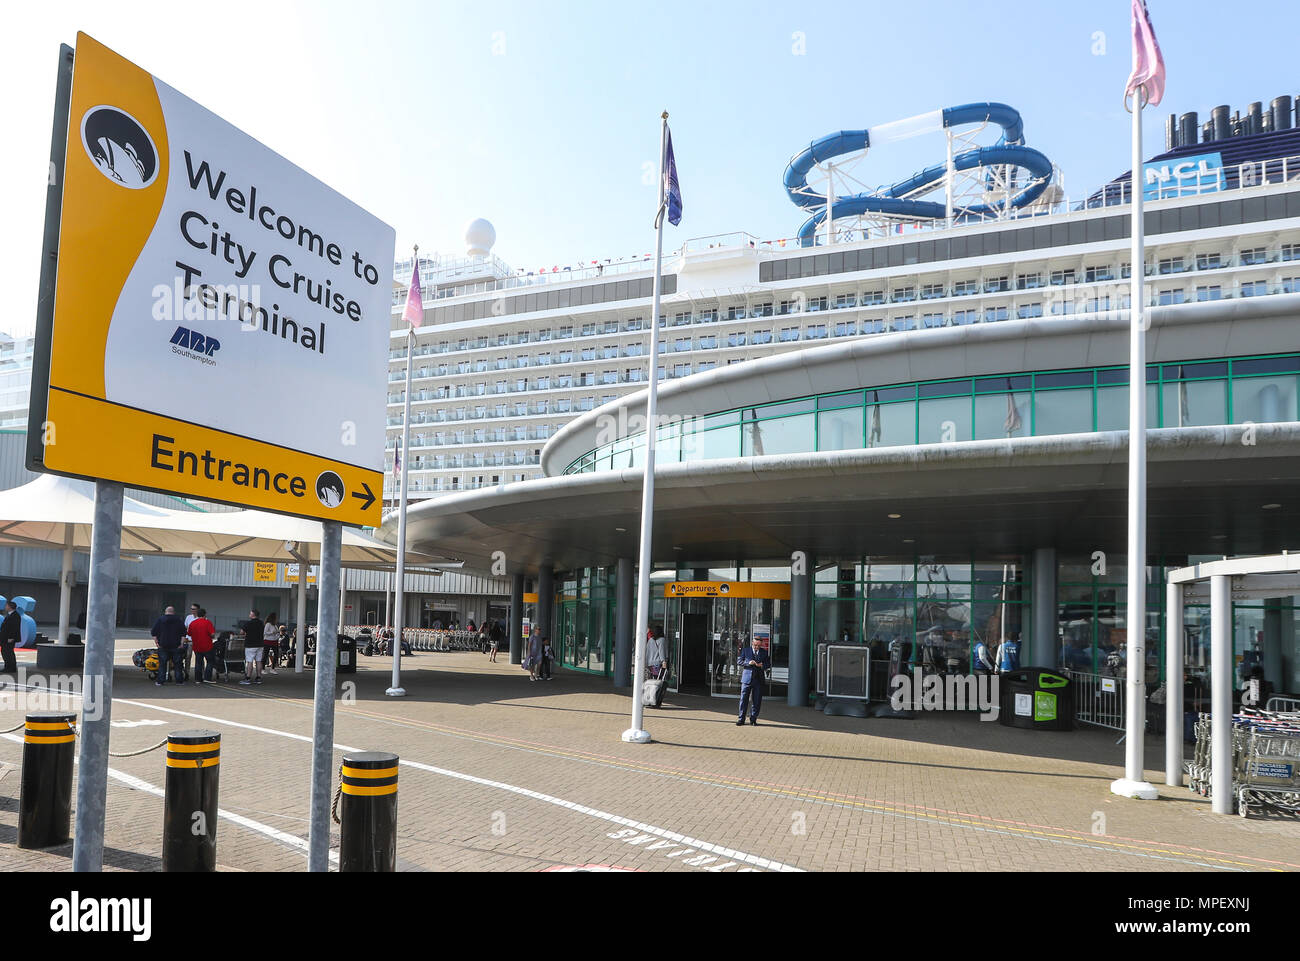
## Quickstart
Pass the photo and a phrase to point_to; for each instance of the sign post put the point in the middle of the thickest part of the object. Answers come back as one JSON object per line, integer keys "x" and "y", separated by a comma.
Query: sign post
{"x": 97, "y": 689}
{"x": 327, "y": 643}
{"x": 182, "y": 256}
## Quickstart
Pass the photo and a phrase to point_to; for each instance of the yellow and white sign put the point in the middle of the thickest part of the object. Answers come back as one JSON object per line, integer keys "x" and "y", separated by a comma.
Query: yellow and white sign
{"x": 291, "y": 574}
{"x": 221, "y": 318}
{"x": 266, "y": 571}
{"x": 747, "y": 589}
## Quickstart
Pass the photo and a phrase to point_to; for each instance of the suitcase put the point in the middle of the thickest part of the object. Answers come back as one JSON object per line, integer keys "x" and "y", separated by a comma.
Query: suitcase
{"x": 652, "y": 691}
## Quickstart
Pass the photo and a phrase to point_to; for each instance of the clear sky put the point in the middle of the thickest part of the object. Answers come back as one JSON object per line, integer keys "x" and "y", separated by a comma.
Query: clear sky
{"x": 543, "y": 116}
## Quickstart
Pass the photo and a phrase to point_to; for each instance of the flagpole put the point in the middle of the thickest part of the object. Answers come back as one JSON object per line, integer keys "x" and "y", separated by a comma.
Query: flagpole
{"x": 399, "y": 589}
{"x": 1132, "y": 784}
{"x": 636, "y": 734}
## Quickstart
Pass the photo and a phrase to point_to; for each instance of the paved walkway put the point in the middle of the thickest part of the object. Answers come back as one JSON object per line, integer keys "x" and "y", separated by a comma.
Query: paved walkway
{"x": 503, "y": 774}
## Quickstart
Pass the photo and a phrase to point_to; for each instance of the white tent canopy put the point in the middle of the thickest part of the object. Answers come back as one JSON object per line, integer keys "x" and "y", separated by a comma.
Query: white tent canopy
{"x": 58, "y": 512}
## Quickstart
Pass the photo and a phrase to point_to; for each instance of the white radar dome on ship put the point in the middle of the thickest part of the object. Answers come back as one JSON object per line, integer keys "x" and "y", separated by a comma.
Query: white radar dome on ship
{"x": 480, "y": 235}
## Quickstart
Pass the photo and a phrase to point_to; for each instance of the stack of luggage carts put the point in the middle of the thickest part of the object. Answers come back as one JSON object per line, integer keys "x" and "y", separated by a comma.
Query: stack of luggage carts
{"x": 1265, "y": 760}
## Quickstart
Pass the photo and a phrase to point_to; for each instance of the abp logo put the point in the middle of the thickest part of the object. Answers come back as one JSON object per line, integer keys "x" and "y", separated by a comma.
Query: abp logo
{"x": 194, "y": 341}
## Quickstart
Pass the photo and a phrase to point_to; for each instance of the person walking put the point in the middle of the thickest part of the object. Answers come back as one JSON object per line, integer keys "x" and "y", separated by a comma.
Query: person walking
{"x": 547, "y": 656}
{"x": 271, "y": 644}
{"x": 11, "y": 633}
{"x": 254, "y": 633}
{"x": 754, "y": 664}
{"x": 656, "y": 654}
{"x": 983, "y": 659}
{"x": 169, "y": 634}
{"x": 534, "y": 655}
{"x": 202, "y": 633}
{"x": 495, "y": 635}
{"x": 189, "y": 619}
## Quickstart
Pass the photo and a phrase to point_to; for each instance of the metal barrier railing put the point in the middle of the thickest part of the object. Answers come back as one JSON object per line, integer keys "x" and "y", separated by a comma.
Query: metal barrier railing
{"x": 426, "y": 639}
{"x": 1099, "y": 700}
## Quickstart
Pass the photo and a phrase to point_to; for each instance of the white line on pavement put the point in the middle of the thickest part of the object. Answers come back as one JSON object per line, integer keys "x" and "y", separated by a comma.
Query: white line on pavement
{"x": 718, "y": 849}
{"x": 708, "y": 846}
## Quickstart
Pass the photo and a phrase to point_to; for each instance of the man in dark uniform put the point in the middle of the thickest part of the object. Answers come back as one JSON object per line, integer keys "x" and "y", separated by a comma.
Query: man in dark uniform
{"x": 754, "y": 664}
{"x": 169, "y": 634}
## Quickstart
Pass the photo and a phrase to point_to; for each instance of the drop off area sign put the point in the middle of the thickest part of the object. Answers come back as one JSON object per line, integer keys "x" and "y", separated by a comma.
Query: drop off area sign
{"x": 220, "y": 318}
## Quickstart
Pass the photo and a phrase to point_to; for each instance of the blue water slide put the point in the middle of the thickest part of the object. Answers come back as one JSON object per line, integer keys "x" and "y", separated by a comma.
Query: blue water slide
{"x": 893, "y": 201}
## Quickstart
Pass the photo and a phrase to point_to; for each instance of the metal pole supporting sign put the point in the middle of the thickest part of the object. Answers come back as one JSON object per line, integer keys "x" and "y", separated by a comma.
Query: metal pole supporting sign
{"x": 97, "y": 678}
{"x": 322, "y": 757}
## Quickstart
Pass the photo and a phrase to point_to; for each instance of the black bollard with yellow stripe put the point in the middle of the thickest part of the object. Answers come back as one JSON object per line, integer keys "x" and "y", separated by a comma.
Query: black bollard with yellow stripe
{"x": 190, "y": 804}
{"x": 368, "y": 813}
{"x": 45, "y": 805}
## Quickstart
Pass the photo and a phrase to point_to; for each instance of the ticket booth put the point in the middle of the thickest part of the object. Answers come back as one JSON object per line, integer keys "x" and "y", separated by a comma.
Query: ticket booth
{"x": 707, "y": 623}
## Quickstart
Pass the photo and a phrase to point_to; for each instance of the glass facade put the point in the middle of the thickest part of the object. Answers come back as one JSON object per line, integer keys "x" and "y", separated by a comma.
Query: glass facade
{"x": 1185, "y": 394}
{"x": 1091, "y": 615}
{"x": 584, "y": 620}
{"x": 930, "y": 612}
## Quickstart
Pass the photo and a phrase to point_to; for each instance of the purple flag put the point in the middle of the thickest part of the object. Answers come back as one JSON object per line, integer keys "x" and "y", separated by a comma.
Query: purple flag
{"x": 1148, "y": 64}
{"x": 414, "y": 312}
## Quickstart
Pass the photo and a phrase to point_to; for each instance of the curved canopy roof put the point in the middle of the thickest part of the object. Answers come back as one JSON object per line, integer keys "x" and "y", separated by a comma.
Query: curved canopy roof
{"x": 55, "y": 512}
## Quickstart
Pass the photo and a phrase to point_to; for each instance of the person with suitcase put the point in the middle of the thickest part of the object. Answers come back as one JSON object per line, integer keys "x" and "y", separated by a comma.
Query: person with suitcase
{"x": 656, "y": 669}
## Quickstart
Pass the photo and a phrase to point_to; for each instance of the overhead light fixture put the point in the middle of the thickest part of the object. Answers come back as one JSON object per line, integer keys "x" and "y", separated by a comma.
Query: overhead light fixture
{"x": 621, "y": 530}
{"x": 894, "y": 517}
{"x": 908, "y": 540}
{"x": 677, "y": 548}
{"x": 1271, "y": 507}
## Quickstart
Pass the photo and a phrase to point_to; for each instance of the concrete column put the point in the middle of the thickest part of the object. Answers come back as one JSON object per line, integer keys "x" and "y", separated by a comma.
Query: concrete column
{"x": 624, "y": 613}
{"x": 516, "y": 618}
{"x": 800, "y": 631}
{"x": 1174, "y": 685}
{"x": 67, "y": 580}
{"x": 1044, "y": 646}
{"x": 545, "y": 600}
{"x": 1220, "y": 694}
{"x": 300, "y": 641}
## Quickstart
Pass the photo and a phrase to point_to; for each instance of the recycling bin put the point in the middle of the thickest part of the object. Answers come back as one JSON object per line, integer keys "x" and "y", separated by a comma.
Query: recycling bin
{"x": 347, "y": 663}
{"x": 1039, "y": 698}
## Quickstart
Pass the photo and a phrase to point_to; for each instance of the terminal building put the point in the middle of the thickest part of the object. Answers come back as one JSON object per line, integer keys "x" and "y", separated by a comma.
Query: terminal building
{"x": 905, "y": 426}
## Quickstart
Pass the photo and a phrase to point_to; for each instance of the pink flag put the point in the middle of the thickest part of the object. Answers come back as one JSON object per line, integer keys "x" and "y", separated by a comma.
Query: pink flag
{"x": 1148, "y": 64}
{"x": 414, "y": 312}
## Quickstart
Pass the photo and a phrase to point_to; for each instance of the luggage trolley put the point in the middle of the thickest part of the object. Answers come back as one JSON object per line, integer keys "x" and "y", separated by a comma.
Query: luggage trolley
{"x": 1265, "y": 761}
{"x": 1269, "y": 768}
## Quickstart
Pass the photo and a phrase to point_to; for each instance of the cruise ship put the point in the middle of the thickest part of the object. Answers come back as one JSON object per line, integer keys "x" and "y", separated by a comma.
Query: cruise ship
{"x": 919, "y": 392}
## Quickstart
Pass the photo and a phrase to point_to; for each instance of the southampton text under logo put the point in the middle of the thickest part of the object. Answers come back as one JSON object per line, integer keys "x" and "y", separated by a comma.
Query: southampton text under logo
{"x": 190, "y": 343}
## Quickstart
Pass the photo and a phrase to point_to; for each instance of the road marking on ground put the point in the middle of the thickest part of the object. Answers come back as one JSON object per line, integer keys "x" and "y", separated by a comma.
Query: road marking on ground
{"x": 1154, "y": 850}
{"x": 979, "y": 823}
{"x": 131, "y": 781}
{"x": 683, "y": 839}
